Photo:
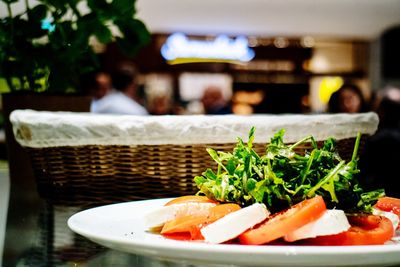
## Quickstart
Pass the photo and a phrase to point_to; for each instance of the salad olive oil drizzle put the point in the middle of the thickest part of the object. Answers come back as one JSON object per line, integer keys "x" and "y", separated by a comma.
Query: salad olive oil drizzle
{"x": 283, "y": 177}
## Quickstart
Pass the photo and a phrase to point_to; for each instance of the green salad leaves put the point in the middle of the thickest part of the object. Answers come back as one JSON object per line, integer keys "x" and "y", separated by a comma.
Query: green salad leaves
{"x": 283, "y": 177}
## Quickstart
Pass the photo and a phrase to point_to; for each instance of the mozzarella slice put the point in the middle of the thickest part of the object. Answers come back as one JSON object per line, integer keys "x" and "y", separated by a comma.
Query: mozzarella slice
{"x": 330, "y": 223}
{"x": 235, "y": 223}
{"x": 391, "y": 216}
{"x": 158, "y": 217}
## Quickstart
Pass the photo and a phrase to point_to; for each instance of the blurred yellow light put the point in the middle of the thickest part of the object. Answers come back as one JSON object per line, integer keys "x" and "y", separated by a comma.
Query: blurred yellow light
{"x": 203, "y": 60}
{"x": 328, "y": 86}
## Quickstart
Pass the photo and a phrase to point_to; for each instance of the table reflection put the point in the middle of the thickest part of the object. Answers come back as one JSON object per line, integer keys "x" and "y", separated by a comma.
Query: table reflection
{"x": 36, "y": 234}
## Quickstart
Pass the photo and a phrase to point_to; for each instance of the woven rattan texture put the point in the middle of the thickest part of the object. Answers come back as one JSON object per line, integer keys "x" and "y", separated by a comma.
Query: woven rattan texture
{"x": 92, "y": 175}
{"x": 85, "y": 176}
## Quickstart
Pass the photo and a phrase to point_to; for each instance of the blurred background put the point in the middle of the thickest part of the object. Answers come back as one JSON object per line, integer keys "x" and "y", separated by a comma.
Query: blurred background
{"x": 303, "y": 51}
{"x": 302, "y": 48}
{"x": 190, "y": 57}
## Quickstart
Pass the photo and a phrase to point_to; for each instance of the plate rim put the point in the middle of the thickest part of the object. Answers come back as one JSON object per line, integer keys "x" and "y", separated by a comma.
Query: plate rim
{"x": 162, "y": 249}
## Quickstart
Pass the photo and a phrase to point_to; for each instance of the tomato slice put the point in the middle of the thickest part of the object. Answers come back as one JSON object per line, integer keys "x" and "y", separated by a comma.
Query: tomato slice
{"x": 184, "y": 236}
{"x": 285, "y": 222}
{"x": 186, "y": 223}
{"x": 364, "y": 230}
{"x": 389, "y": 204}
{"x": 186, "y": 199}
{"x": 193, "y": 223}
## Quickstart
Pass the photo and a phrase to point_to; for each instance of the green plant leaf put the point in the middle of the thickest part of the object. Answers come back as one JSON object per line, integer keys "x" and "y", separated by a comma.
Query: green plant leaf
{"x": 103, "y": 34}
{"x": 98, "y": 5}
{"x": 135, "y": 35}
{"x": 126, "y": 8}
{"x": 56, "y": 57}
{"x": 282, "y": 177}
{"x": 60, "y": 5}
{"x": 37, "y": 13}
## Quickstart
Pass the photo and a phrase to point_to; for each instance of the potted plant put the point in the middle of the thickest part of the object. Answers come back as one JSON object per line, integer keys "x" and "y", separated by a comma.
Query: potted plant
{"x": 48, "y": 46}
{"x": 45, "y": 47}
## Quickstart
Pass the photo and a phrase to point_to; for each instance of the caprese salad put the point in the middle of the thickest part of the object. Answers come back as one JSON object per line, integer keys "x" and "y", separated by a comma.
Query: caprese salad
{"x": 198, "y": 218}
{"x": 284, "y": 196}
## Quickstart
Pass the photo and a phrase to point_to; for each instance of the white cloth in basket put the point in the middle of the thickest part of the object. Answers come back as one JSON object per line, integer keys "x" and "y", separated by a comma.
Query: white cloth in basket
{"x": 51, "y": 129}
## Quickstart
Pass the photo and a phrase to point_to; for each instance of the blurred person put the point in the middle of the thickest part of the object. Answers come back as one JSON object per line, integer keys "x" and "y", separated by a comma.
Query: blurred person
{"x": 159, "y": 95}
{"x": 160, "y": 105}
{"x": 380, "y": 159}
{"x": 96, "y": 84}
{"x": 214, "y": 102}
{"x": 348, "y": 99}
{"x": 305, "y": 104}
{"x": 374, "y": 100}
{"x": 389, "y": 109}
{"x": 123, "y": 99}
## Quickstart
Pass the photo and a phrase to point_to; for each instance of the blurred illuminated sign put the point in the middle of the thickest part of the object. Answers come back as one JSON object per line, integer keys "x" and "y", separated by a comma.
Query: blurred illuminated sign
{"x": 179, "y": 49}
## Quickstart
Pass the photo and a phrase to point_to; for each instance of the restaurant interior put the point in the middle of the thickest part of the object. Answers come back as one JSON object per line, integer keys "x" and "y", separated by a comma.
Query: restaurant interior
{"x": 264, "y": 56}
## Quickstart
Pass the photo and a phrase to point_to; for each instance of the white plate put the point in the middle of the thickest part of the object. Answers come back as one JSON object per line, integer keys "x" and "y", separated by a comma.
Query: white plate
{"x": 121, "y": 227}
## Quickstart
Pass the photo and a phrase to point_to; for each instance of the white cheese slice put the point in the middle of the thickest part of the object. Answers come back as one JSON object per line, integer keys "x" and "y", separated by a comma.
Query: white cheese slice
{"x": 391, "y": 216}
{"x": 235, "y": 223}
{"x": 160, "y": 216}
{"x": 330, "y": 223}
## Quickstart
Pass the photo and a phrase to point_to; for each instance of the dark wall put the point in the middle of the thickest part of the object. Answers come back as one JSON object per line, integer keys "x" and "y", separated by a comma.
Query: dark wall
{"x": 391, "y": 53}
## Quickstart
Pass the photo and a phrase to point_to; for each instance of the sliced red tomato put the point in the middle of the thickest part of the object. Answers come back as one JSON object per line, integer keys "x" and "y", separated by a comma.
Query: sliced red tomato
{"x": 185, "y": 236}
{"x": 285, "y": 222}
{"x": 389, "y": 204}
{"x": 188, "y": 223}
{"x": 364, "y": 230}
{"x": 193, "y": 223}
{"x": 186, "y": 199}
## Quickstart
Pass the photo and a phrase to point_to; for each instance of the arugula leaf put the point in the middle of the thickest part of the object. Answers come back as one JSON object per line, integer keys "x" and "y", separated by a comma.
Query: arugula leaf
{"x": 285, "y": 176}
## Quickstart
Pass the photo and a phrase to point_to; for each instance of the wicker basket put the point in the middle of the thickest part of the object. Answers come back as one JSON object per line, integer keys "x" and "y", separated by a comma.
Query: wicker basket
{"x": 86, "y": 160}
